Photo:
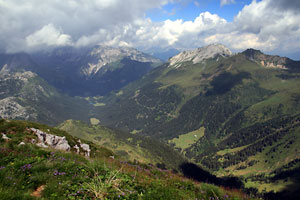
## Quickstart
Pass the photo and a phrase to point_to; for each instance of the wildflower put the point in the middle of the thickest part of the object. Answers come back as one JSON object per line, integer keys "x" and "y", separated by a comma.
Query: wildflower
{"x": 26, "y": 167}
{"x": 55, "y": 173}
{"x": 2, "y": 167}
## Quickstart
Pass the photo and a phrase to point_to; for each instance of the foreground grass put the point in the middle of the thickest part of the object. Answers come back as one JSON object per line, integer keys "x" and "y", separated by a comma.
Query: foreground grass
{"x": 30, "y": 172}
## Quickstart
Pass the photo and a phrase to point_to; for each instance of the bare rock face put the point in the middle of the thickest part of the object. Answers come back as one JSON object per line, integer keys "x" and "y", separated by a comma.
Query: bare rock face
{"x": 105, "y": 55}
{"x": 267, "y": 61}
{"x": 12, "y": 104}
{"x": 200, "y": 54}
{"x": 53, "y": 141}
{"x": 11, "y": 109}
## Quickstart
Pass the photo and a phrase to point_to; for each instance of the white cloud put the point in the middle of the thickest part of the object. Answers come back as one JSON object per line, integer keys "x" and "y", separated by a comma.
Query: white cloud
{"x": 226, "y": 2}
{"x": 179, "y": 33}
{"x": 275, "y": 30}
{"x": 268, "y": 25}
{"x": 241, "y": 41}
{"x": 49, "y": 36}
{"x": 77, "y": 18}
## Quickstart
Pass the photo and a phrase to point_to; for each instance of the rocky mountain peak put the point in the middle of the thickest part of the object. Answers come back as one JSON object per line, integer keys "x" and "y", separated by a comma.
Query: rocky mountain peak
{"x": 268, "y": 61}
{"x": 106, "y": 54}
{"x": 251, "y": 53}
{"x": 200, "y": 54}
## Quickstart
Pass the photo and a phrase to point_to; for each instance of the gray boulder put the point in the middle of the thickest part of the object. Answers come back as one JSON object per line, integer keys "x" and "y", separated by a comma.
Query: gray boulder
{"x": 48, "y": 140}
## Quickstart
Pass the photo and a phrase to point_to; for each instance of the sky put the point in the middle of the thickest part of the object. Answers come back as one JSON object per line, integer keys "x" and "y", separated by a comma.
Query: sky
{"x": 271, "y": 26}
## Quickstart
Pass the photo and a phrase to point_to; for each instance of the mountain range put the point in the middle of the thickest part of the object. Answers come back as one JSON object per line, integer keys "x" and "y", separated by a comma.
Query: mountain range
{"x": 41, "y": 86}
{"x": 233, "y": 114}
{"x": 93, "y": 71}
{"x": 85, "y": 71}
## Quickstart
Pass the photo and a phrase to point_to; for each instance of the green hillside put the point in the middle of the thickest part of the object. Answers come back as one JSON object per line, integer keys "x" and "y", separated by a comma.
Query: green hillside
{"x": 248, "y": 105}
{"x": 31, "y": 172}
{"x": 125, "y": 145}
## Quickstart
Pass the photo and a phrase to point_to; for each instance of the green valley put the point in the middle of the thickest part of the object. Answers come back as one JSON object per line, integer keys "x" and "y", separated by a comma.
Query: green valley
{"x": 125, "y": 145}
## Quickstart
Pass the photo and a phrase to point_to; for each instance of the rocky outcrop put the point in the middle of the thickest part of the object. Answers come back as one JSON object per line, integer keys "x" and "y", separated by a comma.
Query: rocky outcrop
{"x": 267, "y": 61}
{"x": 200, "y": 54}
{"x": 272, "y": 65}
{"x": 48, "y": 140}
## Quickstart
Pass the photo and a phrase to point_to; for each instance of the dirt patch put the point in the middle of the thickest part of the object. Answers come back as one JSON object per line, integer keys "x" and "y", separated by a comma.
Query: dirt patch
{"x": 38, "y": 191}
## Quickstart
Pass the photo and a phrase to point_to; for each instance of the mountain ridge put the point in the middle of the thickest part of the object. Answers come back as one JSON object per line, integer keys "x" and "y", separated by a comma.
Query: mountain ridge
{"x": 222, "y": 96}
{"x": 200, "y": 54}
{"x": 93, "y": 71}
{"x": 106, "y": 55}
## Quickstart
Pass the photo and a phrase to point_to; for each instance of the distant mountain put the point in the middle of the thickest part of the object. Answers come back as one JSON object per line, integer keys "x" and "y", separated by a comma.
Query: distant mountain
{"x": 106, "y": 55}
{"x": 93, "y": 71}
{"x": 231, "y": 113}
{"x": 17, "y": 62}
{"x": 199, "y": 55}
{"x": 38, "y": 86}
{"x": 25, "y": 95}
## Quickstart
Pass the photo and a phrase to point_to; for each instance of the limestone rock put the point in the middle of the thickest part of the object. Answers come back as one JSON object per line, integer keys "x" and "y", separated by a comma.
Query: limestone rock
{"x": 46, "y": 140}
{"x": 5, "y": 137}
{"x": 49, "y": 140}
{"x": 200, "y": 54}
{"x": 85, "y": 147}
{"x": 77, "y": 149}
{"x": 21, "y": 143}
